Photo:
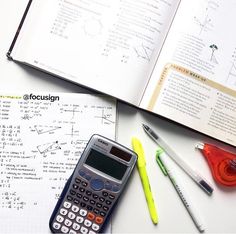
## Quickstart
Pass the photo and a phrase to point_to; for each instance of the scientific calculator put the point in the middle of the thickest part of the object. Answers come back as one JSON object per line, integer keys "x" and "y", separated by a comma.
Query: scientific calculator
{"x": 93, "y": 188}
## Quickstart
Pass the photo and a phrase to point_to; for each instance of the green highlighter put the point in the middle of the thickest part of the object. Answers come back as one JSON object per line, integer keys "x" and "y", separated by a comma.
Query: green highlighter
{"x": 141, "y": 164}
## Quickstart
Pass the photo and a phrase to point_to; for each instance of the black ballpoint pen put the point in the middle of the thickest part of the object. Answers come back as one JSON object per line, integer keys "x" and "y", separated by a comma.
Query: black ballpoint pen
{"x": 194, "y": 175}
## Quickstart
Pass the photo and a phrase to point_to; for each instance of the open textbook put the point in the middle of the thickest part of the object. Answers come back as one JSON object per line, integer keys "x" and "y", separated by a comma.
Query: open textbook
{"x": 174, "y": 58}
{"x": 41, "y": 139}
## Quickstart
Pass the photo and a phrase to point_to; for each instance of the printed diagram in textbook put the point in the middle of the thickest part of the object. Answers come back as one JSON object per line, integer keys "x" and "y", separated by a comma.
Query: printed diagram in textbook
{"x": 205, "y": 22}
{"x": 231, "y": 77}
{"x": 213, "y": 48}
{"x": 143, "y": 51}
{"x": 92, "y": 27}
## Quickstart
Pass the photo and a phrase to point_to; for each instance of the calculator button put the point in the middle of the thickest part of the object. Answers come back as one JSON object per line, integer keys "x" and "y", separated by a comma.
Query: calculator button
{"x": 76, "y": 226}
{"x": 84, "y": 184}
{"x": 103, "y": 214}
{"x": 77, "y": 180}
{"x": 85, "y": 199}
{"x": 56, "y": 225}
{"x": 108, "y": 202}
{"x": 111, "y": 196}
{"x": 83, "y": 212}
{"x": 82, "y": 204}
{"x": 79, "y": 195}
{"x": 95, "y": 196}
{"x": 95, "y": 210}
{"x": 98, "y": 220}
{"x": 75, "y": 186}
{"x": 116, "y": 188}
{"x": 84, "y": 230}
{"x": 97, "y": 184}
{"x": 89, "y": 207}
{"x": 72, "y": 192}
{"x": 79, "y": 219}
{"x": 81, "y": 190}
{"x": 92, "y": 232}
{"x": 64, "y": 229}
{"x": 101, "y": 199}
{"x": 72, "y": 232}
{"x": 88, "y": 193}
{"x": 68, "y": 223}
{"x": 76, "y": 201}
{"x": 69, "y": 198}
{"x": 108, "y": 186}
{"x": 67, "y": 204}
{"x": 82, "y": 173}
{"x": 99, "y": 205}
{"x": 87, "y": 223}
{"x": 71, "y": 215}
{"x": 87, "y": 177}
{"x": 63, "y": 211}
{"x": 75, "y": 208}
{"x": 105, "y": 208}
{"x": 92, "y": 202}
{"x": 95, "y": 227}
{"x": 90, "y": 216}
{"x": 105, "y": 194}
{"x": 59, "y": 219}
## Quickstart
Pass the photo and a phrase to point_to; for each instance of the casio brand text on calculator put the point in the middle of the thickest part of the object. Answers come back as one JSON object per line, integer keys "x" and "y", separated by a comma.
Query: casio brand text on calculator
{"x": 94, "y": 187}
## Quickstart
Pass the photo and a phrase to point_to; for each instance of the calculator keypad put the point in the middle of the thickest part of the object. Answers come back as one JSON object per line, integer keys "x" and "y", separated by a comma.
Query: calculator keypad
{"x": 82, "y": 211}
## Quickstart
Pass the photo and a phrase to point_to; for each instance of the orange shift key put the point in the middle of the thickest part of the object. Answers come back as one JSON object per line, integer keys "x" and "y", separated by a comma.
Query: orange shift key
{"x": 91, "y": 216}
{"x": 98, "y": 220}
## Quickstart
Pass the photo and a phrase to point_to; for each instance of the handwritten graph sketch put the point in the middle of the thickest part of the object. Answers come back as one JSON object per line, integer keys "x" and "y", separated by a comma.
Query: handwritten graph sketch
{"x": 106, "y": 118}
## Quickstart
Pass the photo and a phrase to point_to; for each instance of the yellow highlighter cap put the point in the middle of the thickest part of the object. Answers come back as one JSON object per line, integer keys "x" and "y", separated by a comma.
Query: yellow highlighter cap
{"x": 138, "y": 149}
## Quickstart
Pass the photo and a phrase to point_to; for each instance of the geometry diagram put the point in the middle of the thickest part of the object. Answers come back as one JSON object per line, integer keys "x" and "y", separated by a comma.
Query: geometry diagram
{"x": 45, "y": 129}
{"x": 92, "y": 27}
{"x": 48, "y": 147}
{"x": 205, "y": 18}
{"x": 232, "y": 74}
{"x": 105, "y": 118}
{"x": 143, "y": 51}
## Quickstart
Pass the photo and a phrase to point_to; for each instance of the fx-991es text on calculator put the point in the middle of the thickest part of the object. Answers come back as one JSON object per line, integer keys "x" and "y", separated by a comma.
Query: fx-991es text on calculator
{"x": 93, "y": 188}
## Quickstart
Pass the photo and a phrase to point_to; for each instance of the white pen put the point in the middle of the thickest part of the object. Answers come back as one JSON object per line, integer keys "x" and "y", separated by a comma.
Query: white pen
{"x": 162, "y": 160}
{"x": 193, "y": 174}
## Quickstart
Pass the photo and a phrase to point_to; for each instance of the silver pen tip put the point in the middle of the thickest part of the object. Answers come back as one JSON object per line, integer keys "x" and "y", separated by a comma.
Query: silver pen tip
{"x": 145, "y": 127}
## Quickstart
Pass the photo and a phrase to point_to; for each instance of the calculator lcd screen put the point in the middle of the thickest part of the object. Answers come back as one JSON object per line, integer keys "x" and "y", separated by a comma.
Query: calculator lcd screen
{"x": 106, "y": 164}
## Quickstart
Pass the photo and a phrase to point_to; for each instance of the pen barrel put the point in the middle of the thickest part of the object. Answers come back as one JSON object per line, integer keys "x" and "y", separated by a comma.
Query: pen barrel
{"x": 148, "y": 193}
{"x": 182, "y": 194}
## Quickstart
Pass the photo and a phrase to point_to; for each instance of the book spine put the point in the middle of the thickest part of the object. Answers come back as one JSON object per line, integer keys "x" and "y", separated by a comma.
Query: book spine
{"x": 18, "y": 30}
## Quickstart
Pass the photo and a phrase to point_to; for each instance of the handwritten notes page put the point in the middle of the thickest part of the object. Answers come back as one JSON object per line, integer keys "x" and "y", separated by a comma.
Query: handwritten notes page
{"x": 41, "y": 139}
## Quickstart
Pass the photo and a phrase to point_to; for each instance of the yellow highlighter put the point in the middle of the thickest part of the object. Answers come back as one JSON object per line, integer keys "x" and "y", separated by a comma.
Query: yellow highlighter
{"x": 141, "y": 164}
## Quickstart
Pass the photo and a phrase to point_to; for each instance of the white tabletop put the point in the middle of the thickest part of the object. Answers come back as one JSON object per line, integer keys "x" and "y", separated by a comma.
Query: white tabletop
{"x": 218, "y": 211}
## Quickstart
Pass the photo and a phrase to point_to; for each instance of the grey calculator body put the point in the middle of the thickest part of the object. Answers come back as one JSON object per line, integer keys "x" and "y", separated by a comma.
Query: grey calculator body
{"x": 94, "y": 187}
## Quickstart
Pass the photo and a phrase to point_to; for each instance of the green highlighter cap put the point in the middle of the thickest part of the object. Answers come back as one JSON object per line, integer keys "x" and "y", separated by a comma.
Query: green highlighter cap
{"x": 159, "y": 162}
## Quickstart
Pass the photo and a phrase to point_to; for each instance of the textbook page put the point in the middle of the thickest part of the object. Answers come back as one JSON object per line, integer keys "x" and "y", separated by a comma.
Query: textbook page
{"x": 41, "y": 139}
{"x": 194, "y": 81}
{"x": 110, "y": 46}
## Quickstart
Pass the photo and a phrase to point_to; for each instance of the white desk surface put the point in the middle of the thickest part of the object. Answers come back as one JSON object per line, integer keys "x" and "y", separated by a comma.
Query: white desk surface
{"x": 218, "y": 211}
